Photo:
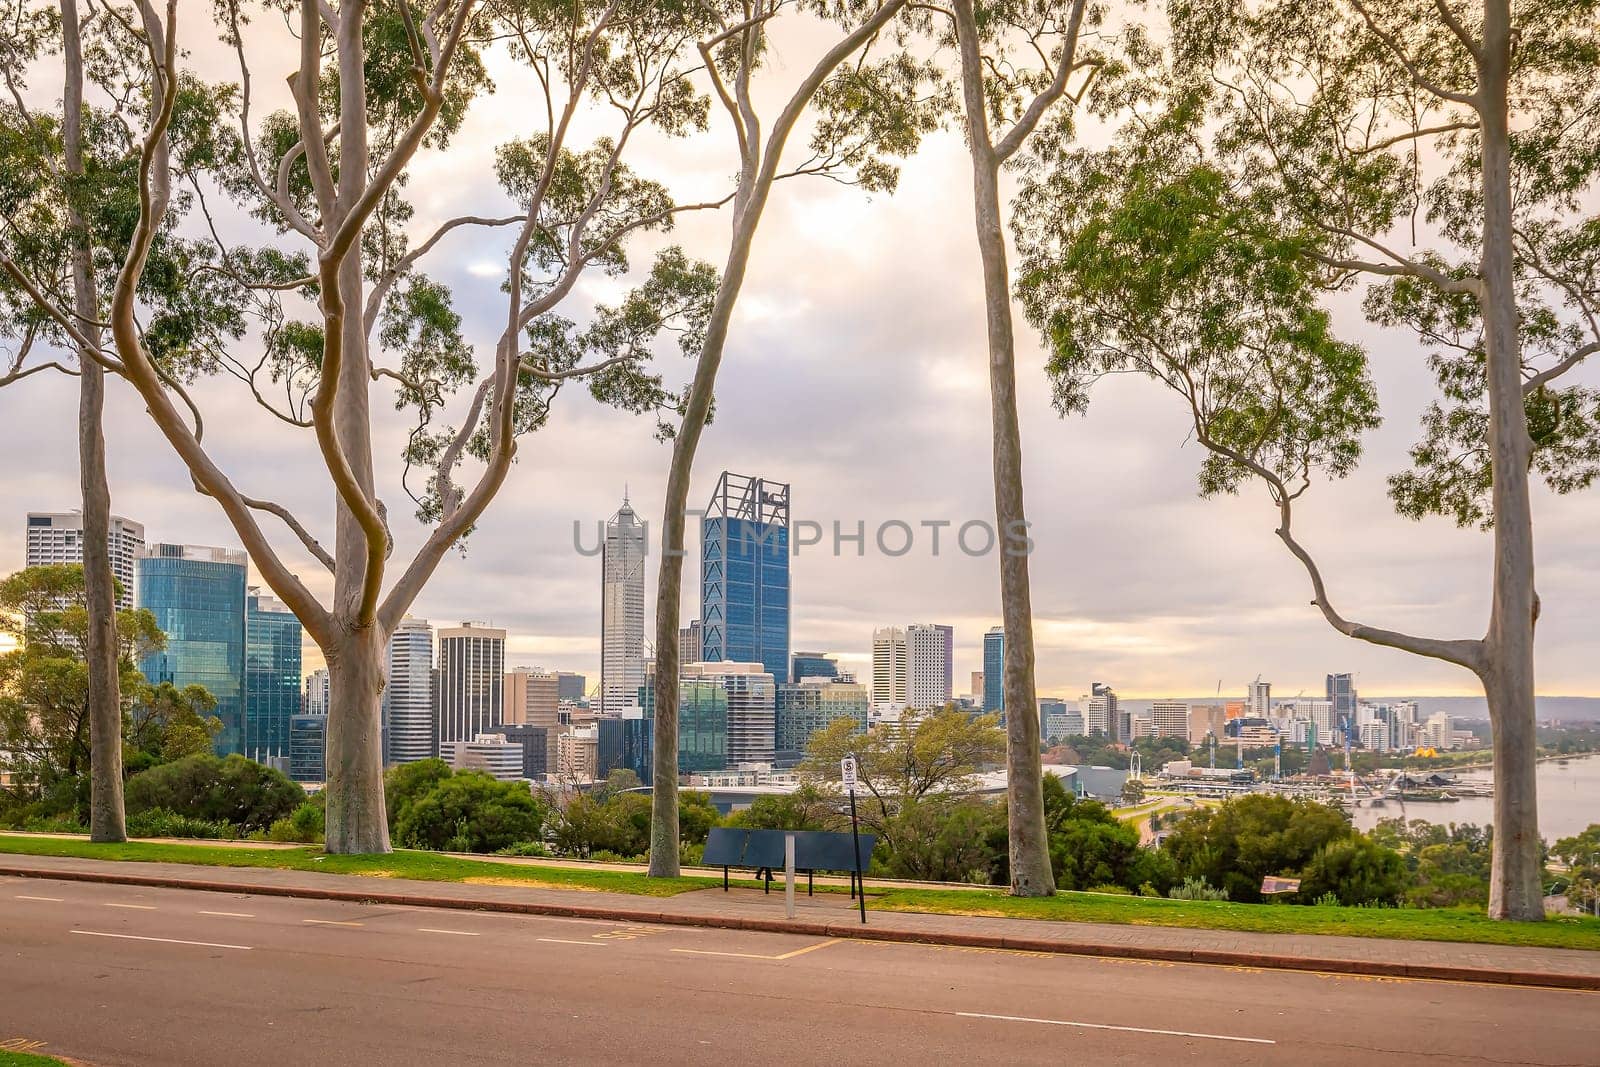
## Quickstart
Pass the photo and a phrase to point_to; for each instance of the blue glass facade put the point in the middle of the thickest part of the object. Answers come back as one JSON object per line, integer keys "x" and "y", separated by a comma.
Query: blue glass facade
{"x": 308, "y": 743}
{"x": 198, "y": 598}
{"x": 994, "y": 670}
{"x": 702, "y": 730}
{"x": 271, "y": 677}
{"x": 744, "y": 574}
{"x": 812, "y": 665}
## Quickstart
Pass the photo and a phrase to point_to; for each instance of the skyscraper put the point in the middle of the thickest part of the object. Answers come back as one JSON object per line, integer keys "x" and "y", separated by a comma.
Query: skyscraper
{"x": 689, "y": 642}
{"x": 803, "y": 665}
{"x": 57, "y": 537}
{"x": 532, "y": 697}
{"x": 752, "y": 696}
{"x": 928, "y": 669}
{"x": 889, "y": 660}
{"x": 1342, "y": 695}
{"x": 1170, "y": 718}
{"x": 408, "y": 693}
{"x": 317, "y": 695}
{"x": 811, "y": 705}
{"x": 622, "y": 610}
{"x": 197, "y": 595}
{"x": 702, "y": 729}
{"x": 744, "y": 574}
{"x": 472, "y": 659}
{"x": 994, "y": 669}
{"x": 570, "y": 686}
{"x": 271, "y": 677}
{"x": 1101, "y": 714}
{"x": 1259, "y": 701}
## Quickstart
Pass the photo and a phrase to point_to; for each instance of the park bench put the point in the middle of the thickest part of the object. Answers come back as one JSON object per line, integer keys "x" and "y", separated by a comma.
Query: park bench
{"x": 763, "y": 852}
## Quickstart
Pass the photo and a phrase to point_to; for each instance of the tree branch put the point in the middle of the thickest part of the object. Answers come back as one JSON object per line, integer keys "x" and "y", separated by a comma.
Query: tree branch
{"x": 1399, "y": 52}
{"x": 1020, "y": 132}
{"x": 1550, "y": 374}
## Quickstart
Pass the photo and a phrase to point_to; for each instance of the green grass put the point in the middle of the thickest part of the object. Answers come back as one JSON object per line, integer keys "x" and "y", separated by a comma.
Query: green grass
{"x": 424, "y": 866}
{"x": 1407, "y": 924}
{"x": 26, "y": 1059}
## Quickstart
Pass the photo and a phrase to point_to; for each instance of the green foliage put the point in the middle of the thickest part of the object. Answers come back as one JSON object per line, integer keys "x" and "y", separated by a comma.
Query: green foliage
{"x": 1581, "y": 855}
{"x": 161, "y": 822}
{"x": 945, "y": 839}
{"x": 233, "y": 790}
{"x": 807, "y": 808}
{"x": 1196, "y": 889}
{"x": 1448, "y": 866}
{"x": 1238, "y": 843}
{"x": 304, "y": 824}
{"x": 1356, "y": 870}
{"x": 587, "y": 825}
{"x": 470, "y": 812}
{"x": 405, "y": 783}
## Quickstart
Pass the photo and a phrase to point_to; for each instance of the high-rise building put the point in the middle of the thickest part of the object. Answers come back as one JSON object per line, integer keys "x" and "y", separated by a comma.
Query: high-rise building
{"x": 318, "y": 693}
{"x": 1058, "y": 720}
{"x": 532, "y": 696}
{"x": 929, "y": 677}
{"x": 744, "y": 574}
{"x": 197, "y": 595}
{"x": 622, "y": 610}
{"x": 1342, "y": 695}
{"x": 889, "y": 662}
{"x": 536, "y": 742}
{"x": 1169, "y": 718}
{"x": 1259, "y": 701}
{"x": 994, "y": 669}
{"x": 472, "y": 660}
{"x": 689, "y": 643}
{"x": 492, "y": 753}
{"x": 1204, "y": 720}
{"x": 805, "y": 665}
{"x": 811, "y": 705}
{"x": 977, "y": 688}
{"x": 57, "y": 537}
{"x": 752, "y": 699}
{"x": 271, "y": 677}
{"x": 702, "y": 729}
{"x": 308, "y": 746}
{"x": 408, "y": 694}
{"x": 570, "y": 686}
{"x": 578, "y": 753}
{"x": 1101, "y": 714}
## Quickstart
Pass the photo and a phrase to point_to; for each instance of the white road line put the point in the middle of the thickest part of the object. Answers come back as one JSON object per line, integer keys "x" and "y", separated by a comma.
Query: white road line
{"x": 458, "y": 933}
{"x": 1105, "y": 1026}
{"x": 330, "y": 922}
{"x": 230, "y": 914}
{"x": 564, "y": 941}
{"x": 130, "y": 907}
{"x": 52, "y": 900}
{"x": 163, "y": 940}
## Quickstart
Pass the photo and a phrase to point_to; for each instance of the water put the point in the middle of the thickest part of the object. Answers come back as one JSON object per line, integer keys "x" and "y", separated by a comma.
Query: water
{"x": 1569, "y": 801}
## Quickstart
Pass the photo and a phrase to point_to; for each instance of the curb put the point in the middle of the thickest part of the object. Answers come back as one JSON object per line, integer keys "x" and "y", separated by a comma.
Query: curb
{"x": 852, "y": 931}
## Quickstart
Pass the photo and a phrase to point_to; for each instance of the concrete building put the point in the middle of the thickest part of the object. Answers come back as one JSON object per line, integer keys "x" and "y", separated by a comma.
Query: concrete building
{"x": 622, "y": 610}
{"x": 752, "y": 708}
{"x": 536, "y": 745}
{"x": 317, "y": 695}
{"x": 690, "y": 642}
{"x": 977, "y": 689}
{"x": 490, "y": 752}
{"x": 929, "y": 678}
{"x": 1258, "y": 701}
{"x": 994, "y": 669}
{"x": 55, "y": 537}
{"x": 578, "y": 754}
{"x": 889, "y": 663}
{"x": 472, "y": 660}
{"x": 1101, "y": 714}
{"x": 271, "y": 678}
{"x": 744, "y": 574}
{"x": 572, "y": 686}
{"x": 197, "y": 595}
{"x": 1170, "y": 718}
{"x": 1342, "y": 696}
{"x": 533, "y": 697}
{"x": 408, "y": 693}
{"x": 803, "y": 665}
{"x": 1206, "y": 719}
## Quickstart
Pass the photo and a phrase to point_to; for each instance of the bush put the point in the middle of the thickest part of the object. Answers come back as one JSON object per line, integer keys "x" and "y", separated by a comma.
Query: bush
{"x": 1236, "y": 845}
{"x": 619, "y": 826}
{"x": 1197, "y": 889}
{"x": 524, "y": 848}
{"x": 470, "y": 812}
{"x": 1356, "y": 870}
{"x": 160, "y": 822}
{"x": 406, "y": 782}
{"x": 304, "y": 824}
{"x": 946, "y": 839}
{"x": 234, "y": 790}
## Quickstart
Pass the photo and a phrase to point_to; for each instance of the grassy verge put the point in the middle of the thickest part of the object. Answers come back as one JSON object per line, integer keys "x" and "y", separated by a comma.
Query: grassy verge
{"x": 1407, "y": 924}
{"x": 424, "y": 866}
{"x": 27, "y": 1059}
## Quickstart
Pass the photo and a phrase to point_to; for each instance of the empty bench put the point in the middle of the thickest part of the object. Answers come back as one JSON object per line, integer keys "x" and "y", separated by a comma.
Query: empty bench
{"x": 763, "y": 852}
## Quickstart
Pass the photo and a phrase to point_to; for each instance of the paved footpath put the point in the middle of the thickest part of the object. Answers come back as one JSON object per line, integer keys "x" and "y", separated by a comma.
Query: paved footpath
{"x": 833, "y": 915}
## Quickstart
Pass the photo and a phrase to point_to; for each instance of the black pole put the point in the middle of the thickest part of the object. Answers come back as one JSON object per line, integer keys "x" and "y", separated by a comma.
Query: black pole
{"x": 855, "y": 838}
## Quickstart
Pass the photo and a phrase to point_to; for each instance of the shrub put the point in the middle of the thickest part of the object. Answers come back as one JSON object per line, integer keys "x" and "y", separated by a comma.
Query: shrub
{"x": 406, "y": 782}
{"x": 160, "y": 822}
{"x": 470, "y": 812}
{"x": 1237, "y": 844}
{"x": 1197, "y": 889}
{"x": 1356, "y": 870}
{"x": 234, "y": 790}
{"x": 524, "y": 848}
{"x": 304, "y": 824}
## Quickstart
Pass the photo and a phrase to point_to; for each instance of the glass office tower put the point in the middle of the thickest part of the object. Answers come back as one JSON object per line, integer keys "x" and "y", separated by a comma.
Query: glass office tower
{"x": 197, "y": 595}
{"x": 994, "y": 669}
{"x": 744, "y": 574}
{"x": 271, "y": 678}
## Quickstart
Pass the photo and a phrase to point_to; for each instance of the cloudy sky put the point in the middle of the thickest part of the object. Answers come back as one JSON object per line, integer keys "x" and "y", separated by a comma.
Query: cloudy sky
{"x": 856, "y": 371}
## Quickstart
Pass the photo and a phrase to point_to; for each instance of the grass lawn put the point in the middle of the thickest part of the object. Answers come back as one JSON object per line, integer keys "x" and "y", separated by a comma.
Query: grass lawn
{"x": 424, "y": 866}
{"x": 1408, "y": 924}
{"x": 26, "y": 1059}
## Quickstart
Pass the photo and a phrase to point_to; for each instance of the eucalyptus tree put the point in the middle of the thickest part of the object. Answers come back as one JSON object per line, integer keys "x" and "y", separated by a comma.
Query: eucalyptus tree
{"x": 866, "y": 111}
{"x": 373, "y": 85}
{"x": 1021, "y": 72}
{"x": 1283, "y": 155}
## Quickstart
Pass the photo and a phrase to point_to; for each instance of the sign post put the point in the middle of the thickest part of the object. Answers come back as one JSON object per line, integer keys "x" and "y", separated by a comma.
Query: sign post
{"x": 788, "y": 874}
{"x": 847, "y": 774}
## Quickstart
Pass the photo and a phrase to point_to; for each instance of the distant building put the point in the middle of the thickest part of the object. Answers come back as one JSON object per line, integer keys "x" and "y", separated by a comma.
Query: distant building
{"x": 752, "y": 698}
{"x": 56, "y": 537}
{"x": 994, "y": 669}
{"x": 622, "y": 609}
{"x": 1258, "y": 702}
{"x": 532, "y": 696}
{"x": 889, "y": 664}
{"x": 977, "y": 689}
{"x": 1170, "y": 718}
{"x": 271, "y": 677}
{"x": 1058, "y": 720}
{"x": 1101, "y": 715}
{"x": 308, "y": 745}
{"x": 571, "y": 686}
{"x": 744, "y": 574}
{"x": 929, "y": 678}
{"x": 1140, "y": 726}
{"x": 689, "y": 643}
{"x": 1206, "y": 720}
{"x": 490, "y": 752}
{"x": 317, "y": 694}
{"x": 803, "y": 665}
{"x": 535, "y": 742}
{"x": 197, "y": 595}
{"x": 812, "y": 705}
{"x": 578, "y": 754}
{"x": 408, "y": 693}
{"x": 1342, "y": 696}
{"x": 472, "y": 661}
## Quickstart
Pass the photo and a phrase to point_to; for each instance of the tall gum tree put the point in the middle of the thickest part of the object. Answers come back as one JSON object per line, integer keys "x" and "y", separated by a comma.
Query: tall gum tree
{"x": 1279, "y": 153}
{"x": 866, "y": 111}
{"x": 373, "y": 86}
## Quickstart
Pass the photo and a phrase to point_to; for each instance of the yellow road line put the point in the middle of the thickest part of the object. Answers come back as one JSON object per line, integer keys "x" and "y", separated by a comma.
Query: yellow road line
{"x": 130, "y": 907}
{"x": 230, "y": 914}
{"x": 564, "y": 941}
{"x": 330, "y": 922}
{"x": 758, "y": 955}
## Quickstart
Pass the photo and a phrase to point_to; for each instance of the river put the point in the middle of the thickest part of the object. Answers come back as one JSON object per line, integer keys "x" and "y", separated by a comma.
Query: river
{"x": 1569, "y": 801}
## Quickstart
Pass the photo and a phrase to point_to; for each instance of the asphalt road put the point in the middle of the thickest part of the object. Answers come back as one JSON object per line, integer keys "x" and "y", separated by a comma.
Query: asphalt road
{"x": 121, "y": 975}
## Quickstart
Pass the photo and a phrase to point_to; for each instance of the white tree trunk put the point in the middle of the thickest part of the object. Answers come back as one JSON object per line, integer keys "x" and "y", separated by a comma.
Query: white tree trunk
{"x": 356, "y": 820}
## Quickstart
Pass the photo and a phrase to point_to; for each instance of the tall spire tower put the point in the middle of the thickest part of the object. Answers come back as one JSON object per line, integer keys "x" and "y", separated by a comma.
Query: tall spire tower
{"x": 622, "y": 610}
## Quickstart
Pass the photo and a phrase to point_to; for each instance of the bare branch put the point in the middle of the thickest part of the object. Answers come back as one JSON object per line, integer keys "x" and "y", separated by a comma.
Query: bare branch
{"x": 311, "y": 543}
{"x": 1473, "y": 48}
{"x": 1398, "y": 51}
{"x": 1550, "y": 374}
{"x": 1024, "y": 127}
{"x": 1412, "y": 135}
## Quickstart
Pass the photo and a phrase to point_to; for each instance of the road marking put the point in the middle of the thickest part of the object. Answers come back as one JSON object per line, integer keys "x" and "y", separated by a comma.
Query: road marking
{"x": 20, "y": 1044}
{"x": 330, "y": 922}
{"x": 52, "y": 900}
{"x": 458, "y": 933}
{"x": 1107, "y": 1026}
{"x": 163, "y": 940}
{"x": 230, "y": 914}
{"x": 130, "y": 907}
{"x": 757, "y": 955}
{"x": 564, "y": 941}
